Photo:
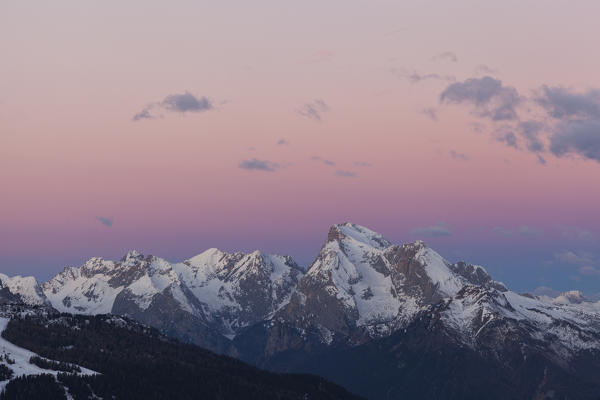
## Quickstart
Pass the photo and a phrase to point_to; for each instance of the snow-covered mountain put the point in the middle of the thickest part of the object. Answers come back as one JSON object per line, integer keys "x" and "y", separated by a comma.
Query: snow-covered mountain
{"x": 203, "y": 299}
{"x": 361, "y": 292}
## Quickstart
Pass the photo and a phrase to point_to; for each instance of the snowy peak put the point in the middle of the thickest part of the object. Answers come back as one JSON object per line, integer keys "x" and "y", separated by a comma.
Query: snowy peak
{"x": 25, "y": 289}
{"x": 221, "y": 290}
{"x": 357, "y": 233}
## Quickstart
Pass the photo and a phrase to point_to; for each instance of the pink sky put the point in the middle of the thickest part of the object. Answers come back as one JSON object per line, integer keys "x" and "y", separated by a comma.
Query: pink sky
{"x": 74, "y": 74}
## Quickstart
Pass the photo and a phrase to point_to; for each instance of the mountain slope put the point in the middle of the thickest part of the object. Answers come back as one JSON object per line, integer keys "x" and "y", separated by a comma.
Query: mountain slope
{"x": 136, "y": 362}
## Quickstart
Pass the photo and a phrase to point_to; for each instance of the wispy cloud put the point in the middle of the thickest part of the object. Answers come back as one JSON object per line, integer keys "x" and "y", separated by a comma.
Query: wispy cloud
{"x": 106, "y": 221}
{"x": 430, "y": 113}
{"x": 323, "y": 161}
{"x": 483, "y": 69}
{"x": 314, "y": 110}
{"x": 445, "y": 56}
{"x": 259, "y": 165}
{"x": 362, "y": 164}
{"x": 523, "y": 230}
{"x": 585, "y": 262}
{"x": 283, "y": 142}
{"x": 458, "y": 156}
{"x": 437, "y": 230}
{"x": 414, "y": 76}
{"x": 346, "y": 174}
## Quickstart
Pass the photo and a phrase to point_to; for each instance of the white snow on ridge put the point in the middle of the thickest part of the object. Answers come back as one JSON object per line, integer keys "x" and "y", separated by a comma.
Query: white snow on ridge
{"x": 27, "y": 287}
{"x": 353, "y": 280}
{"x": 448, "y": 282}
{"x": 364, "y": 235}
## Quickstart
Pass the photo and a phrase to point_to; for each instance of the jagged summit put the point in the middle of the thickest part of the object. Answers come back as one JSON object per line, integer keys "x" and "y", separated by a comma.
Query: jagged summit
{"x": 357, "y": 233}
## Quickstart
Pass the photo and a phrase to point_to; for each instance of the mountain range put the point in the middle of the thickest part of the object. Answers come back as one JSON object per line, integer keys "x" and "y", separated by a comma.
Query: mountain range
{"x": 383, "y": 320}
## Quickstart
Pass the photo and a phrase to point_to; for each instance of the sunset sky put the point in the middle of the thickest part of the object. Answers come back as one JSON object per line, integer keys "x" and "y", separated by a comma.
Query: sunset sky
{"x": 173, "y": 127}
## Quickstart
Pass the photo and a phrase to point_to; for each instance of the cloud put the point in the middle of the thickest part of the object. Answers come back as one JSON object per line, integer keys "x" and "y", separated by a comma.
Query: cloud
{"x": 106, "y": 221}
{"x": 458, "y": 156}
{"x": 416, "y": 77}
{"x": 588, "y": 270}
{"x": 546, "y": 291}
{"x": 362, "y": 164}
{"x": 489, "y": 97}
{"x": 509, "y": 138}
{"x": 314, "y": 110}
{"x": 530, "y": 131}
{"x": 541, "y": 160}
{"x": 186, "y": 102}
{"x": 346, "y": 174}
{"x": 576, "y": 233}
{"x": 570, "y": 257}
{"x": 437, "y": 230}
{"x": 283, "y": 142}
{"x": 430, "y": 112}
{"x": 477, "y": 127}
{"x": 563, "y": 103}
{"x": 502, "y": 231}
{"x": 445, "y": 56}
{"x": 525, "y": 230}
{"x": 483, "y": 69}
{"x": 322, "y": 160}
{"x": 144, "y": 114}
{"x": 580, "y": 137}
{"x": 182, "y": 103}
{"x": 259, "y": 165}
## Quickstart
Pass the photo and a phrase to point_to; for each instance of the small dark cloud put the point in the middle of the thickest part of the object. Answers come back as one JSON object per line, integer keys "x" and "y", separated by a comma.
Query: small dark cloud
{"x": 144, "y": 114}
{"x": 259, "y": 165}
{"x": 437, "y": 230}
{"x": 182, "y": 103}
{"x": 490, "y": 98}
{"x": 314, "y": 110}
{"x": 283, "y": 142}
{"x": 541, "y": 160}
{"x": 346, "y": 174}
{"x": 430, "y": 112}
{"x": 186, "y": 102}
{"x": 458, "y": 156}
{"x": 106, "y": 221}
{"x": 322, "y": 160}
{"x": 576, "y": 137}
{"x": 445, "y": 56}
{"x": 362, "y": 164}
